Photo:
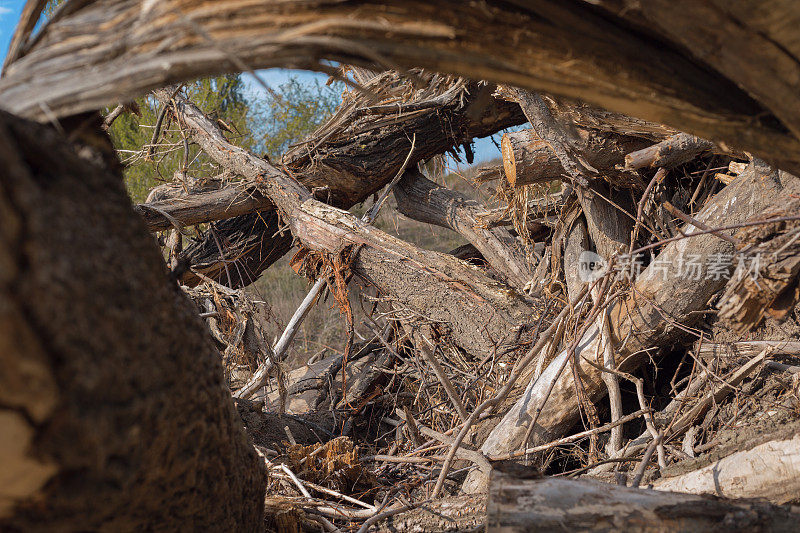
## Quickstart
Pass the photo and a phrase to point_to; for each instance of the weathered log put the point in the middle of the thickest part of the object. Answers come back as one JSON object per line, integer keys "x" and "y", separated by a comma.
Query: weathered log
{"x": 423, "y": 200}
{"x": 752, "y": 44}
{"x": 479, "y": 314}
{"x": 713, "y": 350}
{"x": 765, "y": 282}
{"x": 552, "y": 504}
{"x": 665, "y": 294}
{"x": 669, "y": 153}
{"x": 679, "y": 77}
{"x": 529, "y": 159}
{"x": 351, "y": 157}
{"x": 769, "y": 470}
{"x": 115, "y": 413}
{"x": 610, "y": 224}
{"x": 197, "y": 208}
{"x": 576, "y": 242}
{"x": 449, "y": 515}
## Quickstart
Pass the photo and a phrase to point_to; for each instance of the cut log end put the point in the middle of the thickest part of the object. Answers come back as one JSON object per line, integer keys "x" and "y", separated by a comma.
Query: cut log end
{"x": 509, "y": 163}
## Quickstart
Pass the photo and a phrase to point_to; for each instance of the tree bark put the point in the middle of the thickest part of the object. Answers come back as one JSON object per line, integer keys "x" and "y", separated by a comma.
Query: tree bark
{"x": 114, "y": 413}
{"x": 421, "y": 199}
{"x": 552, "y": 504}
{"x": 663, "y": 296}
{"x": 680, "y": 78}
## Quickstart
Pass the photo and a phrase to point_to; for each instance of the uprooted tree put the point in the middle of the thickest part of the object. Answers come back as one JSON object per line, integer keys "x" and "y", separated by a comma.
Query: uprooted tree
{"x": 115, "y": 411}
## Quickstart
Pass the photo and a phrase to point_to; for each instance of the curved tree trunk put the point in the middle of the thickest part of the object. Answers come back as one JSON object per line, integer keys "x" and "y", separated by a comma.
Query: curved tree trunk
{"x": 114, "y": 414}
{"x": 724, "y": 73}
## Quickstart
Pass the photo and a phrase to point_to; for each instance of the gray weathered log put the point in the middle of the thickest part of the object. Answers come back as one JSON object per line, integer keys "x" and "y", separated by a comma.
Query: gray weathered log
{"x": 770, "y": 470}
{"x": 680, "y": 77}
{"x": 552, "y": 504}
{"x": 421, "y": 199}
{"x": 669, "y": 153}
{"x": 191, "y": 209}
{"x": 529, "y": 159}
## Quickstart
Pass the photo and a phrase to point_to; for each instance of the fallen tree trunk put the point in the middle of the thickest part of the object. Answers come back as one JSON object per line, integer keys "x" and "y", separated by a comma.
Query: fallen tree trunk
{"x": 664, "y": 295}
{"x": 613, "y": 63}
{"x": 191, "y": 209}
{"x": 669, "y": 153}
{"x": 770, "y": 470}
{"x": 358, "y": 151}
{"x": 529, "y": 159}
{"x": 115, "y": 414}
{"x": 423, "y": 200}
{"x": 480, "y": 315}
{"x": 552, "y": 504}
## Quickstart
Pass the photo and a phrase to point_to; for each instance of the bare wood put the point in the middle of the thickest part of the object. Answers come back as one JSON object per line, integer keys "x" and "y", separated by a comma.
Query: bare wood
{"x": 712, "y": 350}
{"x": 421, "y": 199}
{"x": 770, "y": 470}
{"x": 611, "y": 64}
{"x": 669, "y": 153}
{"x": 552, "y": 504}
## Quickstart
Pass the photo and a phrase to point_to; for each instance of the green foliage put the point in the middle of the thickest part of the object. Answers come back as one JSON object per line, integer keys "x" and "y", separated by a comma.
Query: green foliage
{"x": 221, "y": 98}
{"x": 290, "y": 113}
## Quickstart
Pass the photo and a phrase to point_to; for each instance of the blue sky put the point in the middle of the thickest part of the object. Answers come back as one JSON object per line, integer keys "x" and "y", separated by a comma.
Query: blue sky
{"x": 9, "y": 15}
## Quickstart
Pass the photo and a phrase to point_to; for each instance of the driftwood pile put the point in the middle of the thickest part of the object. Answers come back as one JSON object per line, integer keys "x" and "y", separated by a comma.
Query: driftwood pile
{"x": 615, "y": 347}
{"x": 615, "y": 258}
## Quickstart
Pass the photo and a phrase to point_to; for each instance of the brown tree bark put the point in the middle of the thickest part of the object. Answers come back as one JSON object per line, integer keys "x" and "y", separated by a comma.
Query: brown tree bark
{"x": 114, "y": 413}
{"x": 681, "y": 78}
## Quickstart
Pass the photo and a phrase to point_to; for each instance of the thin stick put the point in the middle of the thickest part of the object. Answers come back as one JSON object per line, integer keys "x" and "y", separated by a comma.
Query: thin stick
{"x": 391, "y": 512}
{"x": 639, "y": 473}
{"x": 572, "y": 438}
{"x": 660, "y": 175}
